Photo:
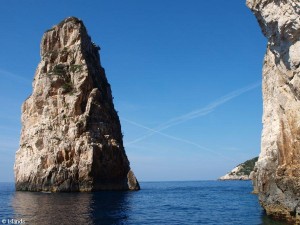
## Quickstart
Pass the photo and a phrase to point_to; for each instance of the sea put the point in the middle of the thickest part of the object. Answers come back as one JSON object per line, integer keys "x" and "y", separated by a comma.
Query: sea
{"x": 192, "y": 202}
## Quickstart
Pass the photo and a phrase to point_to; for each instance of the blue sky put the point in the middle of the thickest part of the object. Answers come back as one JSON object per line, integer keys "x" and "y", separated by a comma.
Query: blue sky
{"x": 185, "y": 77}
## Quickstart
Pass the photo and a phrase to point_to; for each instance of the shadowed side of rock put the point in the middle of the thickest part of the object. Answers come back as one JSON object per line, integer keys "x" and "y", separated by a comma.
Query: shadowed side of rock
{"x": 71, "y": 136}
{"x": 277, "y": 176}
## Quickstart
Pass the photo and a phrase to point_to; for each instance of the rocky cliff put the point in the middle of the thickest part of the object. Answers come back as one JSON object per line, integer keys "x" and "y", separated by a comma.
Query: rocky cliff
{"x": 277, "y": 177}
{"x": 71, "y": 136}
{"x": 242, "y": 171}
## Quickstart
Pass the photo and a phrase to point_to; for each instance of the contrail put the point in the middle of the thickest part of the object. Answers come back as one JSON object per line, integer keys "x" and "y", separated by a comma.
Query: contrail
{"x": 175, "y": 138}
{"x": 12, "y": 75}
{"x": 199, "y": 112}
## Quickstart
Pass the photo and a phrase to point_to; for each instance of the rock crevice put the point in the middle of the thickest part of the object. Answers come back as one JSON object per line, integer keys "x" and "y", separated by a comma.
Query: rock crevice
{"x": 71, "y": 137}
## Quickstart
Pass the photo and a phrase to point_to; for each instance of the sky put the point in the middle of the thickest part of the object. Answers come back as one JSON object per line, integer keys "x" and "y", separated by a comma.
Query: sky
{"x": 185, "y": 76}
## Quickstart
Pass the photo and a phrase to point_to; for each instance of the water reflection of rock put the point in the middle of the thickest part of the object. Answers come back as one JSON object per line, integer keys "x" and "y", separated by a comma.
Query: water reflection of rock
{"x": 72, "y": 208}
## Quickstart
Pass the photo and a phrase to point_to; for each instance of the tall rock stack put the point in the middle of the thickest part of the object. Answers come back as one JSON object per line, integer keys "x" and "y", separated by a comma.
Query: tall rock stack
{"x": 71, "y": 137}
{"x": 277, "y": 177}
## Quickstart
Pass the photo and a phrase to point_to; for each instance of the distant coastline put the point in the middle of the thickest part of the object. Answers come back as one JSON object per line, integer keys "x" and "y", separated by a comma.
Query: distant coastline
{"x": 242, "y": 171}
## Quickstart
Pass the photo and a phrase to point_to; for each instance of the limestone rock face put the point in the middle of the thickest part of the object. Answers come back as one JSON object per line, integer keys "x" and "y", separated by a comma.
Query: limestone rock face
{"x": 277, "y": 177}
{"x": 71, "y": 136}
{"x": 234, "y": 175}
{"x": 243, "y": 171}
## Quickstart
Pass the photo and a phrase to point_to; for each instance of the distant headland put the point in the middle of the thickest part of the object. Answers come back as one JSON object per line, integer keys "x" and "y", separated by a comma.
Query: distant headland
{"x": 242, "y": 171}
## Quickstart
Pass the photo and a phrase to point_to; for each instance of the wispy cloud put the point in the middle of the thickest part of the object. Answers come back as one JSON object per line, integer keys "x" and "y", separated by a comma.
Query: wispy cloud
{"x": 14, "y": 76}
{"x": 10, "y": 118}
{"x": 175, "y": 138}
{"x": 196, "y": 113}
{"x": 7, "y": 128}
{"x": 7, "y": 144}
{"x": 8, "y": 147}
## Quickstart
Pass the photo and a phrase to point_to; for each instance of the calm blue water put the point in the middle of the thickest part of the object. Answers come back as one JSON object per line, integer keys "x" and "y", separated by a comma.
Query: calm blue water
{"x": 201, "y": 202}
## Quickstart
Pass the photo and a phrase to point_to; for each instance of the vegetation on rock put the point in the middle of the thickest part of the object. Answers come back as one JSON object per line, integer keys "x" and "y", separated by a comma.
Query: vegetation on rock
{"x": 247, "y": 167}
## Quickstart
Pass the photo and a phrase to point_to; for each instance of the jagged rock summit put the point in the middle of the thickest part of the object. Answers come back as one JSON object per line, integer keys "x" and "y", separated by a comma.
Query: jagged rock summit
{"x": 243, "y": 171}
{"x": 277, "y": 177}
{"x": 71, "y": 136}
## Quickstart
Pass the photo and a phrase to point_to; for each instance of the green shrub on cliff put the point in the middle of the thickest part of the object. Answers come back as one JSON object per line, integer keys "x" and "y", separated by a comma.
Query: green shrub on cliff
{"x": 248, "y": 166}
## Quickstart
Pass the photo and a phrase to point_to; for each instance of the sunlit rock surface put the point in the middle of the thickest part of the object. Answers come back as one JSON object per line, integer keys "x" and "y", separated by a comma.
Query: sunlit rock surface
{"x": 243, "y": 171}
{"x": 71, "y": 135}
{"x": 277, "y": 179}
